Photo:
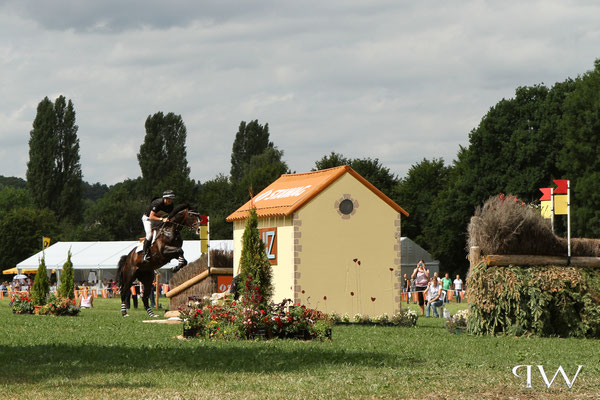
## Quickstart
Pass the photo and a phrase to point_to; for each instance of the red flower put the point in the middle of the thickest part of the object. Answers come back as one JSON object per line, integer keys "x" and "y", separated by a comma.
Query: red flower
{"x": 303, "y": 292}
{"x": 351, "y": 293}
{"x": 502, "y": 196}
{"x": 391, "y": 269}
{"x": 324, "y": 297}
{"x": 372, "y": 298}
{"x": 356, "y": 259}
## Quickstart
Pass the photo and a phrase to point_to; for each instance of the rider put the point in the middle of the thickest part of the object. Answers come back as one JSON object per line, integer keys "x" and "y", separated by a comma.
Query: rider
{"x": 158, "y": 211}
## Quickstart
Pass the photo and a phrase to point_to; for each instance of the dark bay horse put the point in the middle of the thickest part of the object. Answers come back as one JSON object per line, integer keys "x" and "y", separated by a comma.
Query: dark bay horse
{"x": 166, "y": 247}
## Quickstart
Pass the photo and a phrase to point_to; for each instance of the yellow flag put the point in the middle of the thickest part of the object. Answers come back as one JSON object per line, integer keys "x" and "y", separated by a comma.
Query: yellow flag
{"x": 46, "y": 242}
{"x": 560, "y": 204}
{"x": 546, "y": 209}
{"x": 204, "y": 239}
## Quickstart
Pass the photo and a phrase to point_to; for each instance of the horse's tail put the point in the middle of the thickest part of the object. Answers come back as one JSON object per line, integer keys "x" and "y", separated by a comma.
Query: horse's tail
{"x": 122, "y": 262}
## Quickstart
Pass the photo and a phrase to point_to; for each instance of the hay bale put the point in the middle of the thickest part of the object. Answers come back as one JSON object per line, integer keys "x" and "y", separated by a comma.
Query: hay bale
{"x": 542, "y": 301}
{"x": 505, "y": 225}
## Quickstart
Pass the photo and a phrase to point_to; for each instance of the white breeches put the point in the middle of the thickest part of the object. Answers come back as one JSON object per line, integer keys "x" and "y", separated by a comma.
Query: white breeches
{"x": 147, "y": 227}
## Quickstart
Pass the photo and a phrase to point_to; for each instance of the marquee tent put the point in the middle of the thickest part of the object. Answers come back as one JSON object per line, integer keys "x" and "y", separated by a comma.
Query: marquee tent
{"x": 105, "y": 255}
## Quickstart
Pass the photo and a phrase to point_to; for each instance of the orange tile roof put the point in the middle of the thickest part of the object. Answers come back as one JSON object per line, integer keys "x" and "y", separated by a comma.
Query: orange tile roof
{"x": 292, "y": 191}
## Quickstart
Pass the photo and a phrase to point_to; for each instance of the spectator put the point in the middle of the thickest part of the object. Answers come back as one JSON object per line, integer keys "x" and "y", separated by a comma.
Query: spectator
{"x": 421, "y": 277}
{"x": 446, "y": 286}
{"x": 412, "y": 289}
{"x": 458, "y": 287}
{"x": 434, "y": 291}
{"x": 3, "y": 287}
{"x": 85, "y": 300}
{"x": 406, "y": 288}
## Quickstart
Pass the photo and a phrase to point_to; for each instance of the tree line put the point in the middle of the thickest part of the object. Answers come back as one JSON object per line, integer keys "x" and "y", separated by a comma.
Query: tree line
{"x": 520, "y": 144}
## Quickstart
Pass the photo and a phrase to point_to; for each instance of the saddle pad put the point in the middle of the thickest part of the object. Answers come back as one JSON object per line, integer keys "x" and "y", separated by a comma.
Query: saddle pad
{"x": 140, "y": 245}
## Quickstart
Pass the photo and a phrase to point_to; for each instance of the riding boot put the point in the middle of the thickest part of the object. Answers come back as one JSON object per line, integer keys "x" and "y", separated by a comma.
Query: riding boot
{"x": 146, "y": 250}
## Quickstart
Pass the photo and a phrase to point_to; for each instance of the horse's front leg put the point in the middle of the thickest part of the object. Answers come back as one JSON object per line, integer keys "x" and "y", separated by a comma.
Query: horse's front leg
{"x": 171, "y": 252}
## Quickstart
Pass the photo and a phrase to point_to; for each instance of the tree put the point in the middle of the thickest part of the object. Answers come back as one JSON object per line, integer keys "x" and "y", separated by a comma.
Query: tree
{"x": 580, "y": 126}
{"x": 217, "y": 200}
{"x": 11, "y": 197}
{"x": 370, "y": 169}
{"x": 330, "y": 161}
{"x": 54, "y": 170}
{"x": 21, "y": 232}
{"x": 118, "y": 214}
{"x": 373, "y": 171}
{"x": 67, "y": 284}
{"x": 41, "y": 285}
{"x": 255, "y": 268}
{"x": 163, "y": 156}
{"x": 260, "y": 172}
{"x": 416, "y": 192}
{"x": 251, "y": 140}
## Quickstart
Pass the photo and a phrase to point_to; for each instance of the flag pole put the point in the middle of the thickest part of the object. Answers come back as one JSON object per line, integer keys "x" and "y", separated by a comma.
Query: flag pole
{"x": 569, "y": 220}
{"x": 552, "y": 208}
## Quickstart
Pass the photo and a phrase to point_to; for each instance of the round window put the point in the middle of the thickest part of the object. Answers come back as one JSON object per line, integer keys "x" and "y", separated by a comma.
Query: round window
{"x": 346, "y": 206}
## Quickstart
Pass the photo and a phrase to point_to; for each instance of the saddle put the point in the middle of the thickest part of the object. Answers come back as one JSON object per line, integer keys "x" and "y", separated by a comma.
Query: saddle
{"x": 140, "y": 245}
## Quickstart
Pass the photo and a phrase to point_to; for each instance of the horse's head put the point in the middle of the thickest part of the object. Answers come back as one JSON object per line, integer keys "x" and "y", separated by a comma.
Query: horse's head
{"x": 184, "y": 215}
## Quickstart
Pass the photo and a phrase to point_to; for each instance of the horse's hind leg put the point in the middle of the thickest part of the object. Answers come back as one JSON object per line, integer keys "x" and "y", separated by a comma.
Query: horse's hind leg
{"x": 127, "y": 277}
{"x": 147, "y": 277}
{"x": 125, "y": 293}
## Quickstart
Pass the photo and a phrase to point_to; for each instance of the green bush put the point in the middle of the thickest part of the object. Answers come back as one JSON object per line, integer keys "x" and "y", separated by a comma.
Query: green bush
{"x": 67, "y": 288}
{"x": 536, "y": 300}
{"x": 41, "y": 285}
{"x": 255, "y": 268}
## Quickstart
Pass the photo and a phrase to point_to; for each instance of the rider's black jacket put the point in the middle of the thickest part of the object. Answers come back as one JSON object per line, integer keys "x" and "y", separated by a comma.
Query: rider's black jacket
{"x": 157, "y": 206}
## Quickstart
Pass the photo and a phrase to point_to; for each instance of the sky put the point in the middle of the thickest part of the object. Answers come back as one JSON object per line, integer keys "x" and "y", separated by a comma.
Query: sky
{"x": 400, "y": 81}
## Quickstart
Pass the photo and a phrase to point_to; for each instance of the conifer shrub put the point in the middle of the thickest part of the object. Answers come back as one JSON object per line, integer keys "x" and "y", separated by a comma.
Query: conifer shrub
{"x": 67, "y": 284}
{"x": 255, "y": 268}
{"x": 41, "y": 285}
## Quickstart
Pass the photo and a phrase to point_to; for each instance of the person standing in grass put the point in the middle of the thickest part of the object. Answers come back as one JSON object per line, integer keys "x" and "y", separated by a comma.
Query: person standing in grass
{"x": 433, "y": 292}
{"x": 458, "y": 287}
{"x": 421, "y": 277}
{"x": 446, "y": 286}
{"x": 406, "y": 288}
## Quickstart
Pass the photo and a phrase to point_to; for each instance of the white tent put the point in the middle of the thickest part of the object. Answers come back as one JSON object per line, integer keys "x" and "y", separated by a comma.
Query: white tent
{"x": 100, "y": 256}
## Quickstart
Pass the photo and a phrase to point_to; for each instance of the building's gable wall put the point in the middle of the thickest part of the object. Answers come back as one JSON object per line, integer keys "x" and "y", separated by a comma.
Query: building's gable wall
{"x": 327, "y": 242}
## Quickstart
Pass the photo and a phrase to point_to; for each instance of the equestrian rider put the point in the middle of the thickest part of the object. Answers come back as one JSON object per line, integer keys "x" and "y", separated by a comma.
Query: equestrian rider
{"x": 158, "y": 211}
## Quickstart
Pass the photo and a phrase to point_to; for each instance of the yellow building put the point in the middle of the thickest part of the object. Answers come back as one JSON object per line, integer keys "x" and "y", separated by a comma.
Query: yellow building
{"x": 333, "y": 240}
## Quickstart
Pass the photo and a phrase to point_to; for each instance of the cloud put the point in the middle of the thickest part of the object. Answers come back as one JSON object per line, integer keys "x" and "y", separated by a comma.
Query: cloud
{"x": 398, "y": 81}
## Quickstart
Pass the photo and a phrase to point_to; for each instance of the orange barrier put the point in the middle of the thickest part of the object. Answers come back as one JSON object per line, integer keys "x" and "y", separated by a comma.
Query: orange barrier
{"x": 104, "y": 294}
{"x": 132, "y": 289}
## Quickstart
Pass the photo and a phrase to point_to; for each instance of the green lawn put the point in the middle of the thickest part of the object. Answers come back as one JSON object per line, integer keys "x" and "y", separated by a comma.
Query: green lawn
{"x": 102, "y": 355}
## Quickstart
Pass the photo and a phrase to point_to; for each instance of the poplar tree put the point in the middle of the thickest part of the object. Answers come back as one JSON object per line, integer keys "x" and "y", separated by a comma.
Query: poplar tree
{"x": 251, "y": 139}
{"x": 54, "y": 170}
{"x": 163, "y": 156}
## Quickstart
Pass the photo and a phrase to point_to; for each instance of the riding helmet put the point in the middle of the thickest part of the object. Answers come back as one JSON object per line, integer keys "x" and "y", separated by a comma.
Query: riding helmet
{"x": 168, "y": 194}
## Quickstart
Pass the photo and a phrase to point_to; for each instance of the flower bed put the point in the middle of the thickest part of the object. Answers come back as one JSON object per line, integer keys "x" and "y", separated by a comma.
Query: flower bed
{"x": 21, "y": 304}
{"x": 407, "y": 318}
{"x": 458, "y": 322}
{"x": 228, "y": 319}
{"x": 59, "y": 306}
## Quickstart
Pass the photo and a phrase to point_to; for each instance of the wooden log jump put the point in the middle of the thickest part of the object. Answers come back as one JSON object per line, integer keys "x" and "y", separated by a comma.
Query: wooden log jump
{"x": 192, "y": 281}
{"x": 518, "y": 259}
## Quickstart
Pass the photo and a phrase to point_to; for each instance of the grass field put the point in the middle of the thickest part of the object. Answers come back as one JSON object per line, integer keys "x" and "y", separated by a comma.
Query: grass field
{"x": 102, "y": 355}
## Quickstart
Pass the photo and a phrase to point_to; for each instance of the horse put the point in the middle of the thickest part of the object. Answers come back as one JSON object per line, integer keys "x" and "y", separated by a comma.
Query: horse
{"x": 166, "y": 247}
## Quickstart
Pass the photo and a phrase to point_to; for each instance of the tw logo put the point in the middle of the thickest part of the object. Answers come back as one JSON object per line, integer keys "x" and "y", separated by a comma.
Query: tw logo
{"x": 544, "y": 376}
